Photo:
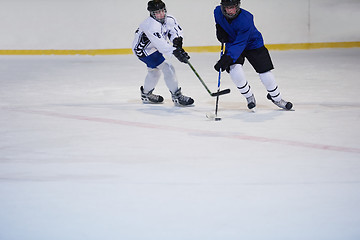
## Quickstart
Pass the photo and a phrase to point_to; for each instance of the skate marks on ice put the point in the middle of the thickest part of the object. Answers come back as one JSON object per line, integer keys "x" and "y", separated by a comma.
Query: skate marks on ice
{"x": 202, "y": 111}
{"x": 239, "y": 111}
{"x": 329, "y": 105}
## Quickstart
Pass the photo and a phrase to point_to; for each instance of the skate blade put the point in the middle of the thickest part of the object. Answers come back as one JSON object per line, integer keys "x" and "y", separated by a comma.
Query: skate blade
{"x": 253, "y": 110}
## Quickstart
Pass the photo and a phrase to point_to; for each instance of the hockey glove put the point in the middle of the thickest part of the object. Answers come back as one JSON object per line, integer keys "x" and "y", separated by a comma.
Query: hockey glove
{"x": 224, "y": 63}
{"x": 181, "y": 55}
{"x": 178, "y": 42}
{"x": 221, "y": 35}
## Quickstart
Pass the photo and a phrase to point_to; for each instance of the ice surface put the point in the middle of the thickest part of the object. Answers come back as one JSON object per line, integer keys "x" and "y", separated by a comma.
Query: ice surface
{"x": 82, "y": 158}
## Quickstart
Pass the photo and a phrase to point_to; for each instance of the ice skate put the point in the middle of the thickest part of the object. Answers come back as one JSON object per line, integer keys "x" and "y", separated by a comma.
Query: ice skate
{"x": 150, "y": 97}
{"x": 281, "y": 104}
{"x": 181, "y": 100}
{"x": 251, "y": 102}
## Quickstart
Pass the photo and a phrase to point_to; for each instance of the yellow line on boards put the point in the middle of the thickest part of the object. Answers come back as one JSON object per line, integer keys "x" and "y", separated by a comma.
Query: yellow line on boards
{"x": 67, "y": 52}
{"x": 287, "y": 46}
{"x": 295, "y": 46}
{"x": 119, "y": 51}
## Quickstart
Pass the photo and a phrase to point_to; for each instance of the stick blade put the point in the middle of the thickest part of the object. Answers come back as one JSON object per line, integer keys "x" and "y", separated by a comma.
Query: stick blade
{"x": 212, "y": 116}
{"x": 222, "y": 92}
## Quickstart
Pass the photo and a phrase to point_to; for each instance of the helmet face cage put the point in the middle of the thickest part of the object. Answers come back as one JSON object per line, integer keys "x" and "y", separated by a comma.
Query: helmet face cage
{"x": 155, "y": 7}
{"x": 156, "y": 12}
{"x": 230, "y": 3}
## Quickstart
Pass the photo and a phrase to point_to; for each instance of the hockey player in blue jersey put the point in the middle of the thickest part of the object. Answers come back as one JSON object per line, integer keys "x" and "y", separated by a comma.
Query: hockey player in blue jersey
{"x": 235, "y": 27}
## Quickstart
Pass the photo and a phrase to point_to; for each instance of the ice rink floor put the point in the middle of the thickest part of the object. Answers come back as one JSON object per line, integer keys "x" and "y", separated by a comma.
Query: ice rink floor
{"x": 82, "y": 158}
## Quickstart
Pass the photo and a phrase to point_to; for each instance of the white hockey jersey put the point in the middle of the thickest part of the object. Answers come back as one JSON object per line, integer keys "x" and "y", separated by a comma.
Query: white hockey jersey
{"x": 152, "y": 36}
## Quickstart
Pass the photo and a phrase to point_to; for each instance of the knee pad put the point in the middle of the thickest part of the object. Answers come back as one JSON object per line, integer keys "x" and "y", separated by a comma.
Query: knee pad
{"x": 154, "y": 73}
{"x": 167, "y": 68}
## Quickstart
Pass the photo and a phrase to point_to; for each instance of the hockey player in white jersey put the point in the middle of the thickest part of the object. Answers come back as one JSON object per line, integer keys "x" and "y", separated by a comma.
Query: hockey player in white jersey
{"x": 157, "y": 36}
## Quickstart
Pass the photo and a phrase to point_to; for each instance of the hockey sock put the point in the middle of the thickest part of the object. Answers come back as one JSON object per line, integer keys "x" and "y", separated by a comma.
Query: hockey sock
{"x": 238, "y": 77}
{"x": 169, "y": 76}
{"x": 269, "y": 82}
{"x": 151, "y": 80}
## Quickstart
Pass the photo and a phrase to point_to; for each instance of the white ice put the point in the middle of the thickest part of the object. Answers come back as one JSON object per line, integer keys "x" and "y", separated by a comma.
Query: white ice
{"x": 82, "y": 158}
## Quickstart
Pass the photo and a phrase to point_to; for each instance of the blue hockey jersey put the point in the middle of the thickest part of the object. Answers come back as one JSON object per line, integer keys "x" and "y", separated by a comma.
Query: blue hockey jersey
{"x": 243, "y": 34}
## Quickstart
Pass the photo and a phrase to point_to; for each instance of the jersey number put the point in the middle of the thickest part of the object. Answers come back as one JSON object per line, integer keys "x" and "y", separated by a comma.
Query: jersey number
{"x": 157, "y": 35}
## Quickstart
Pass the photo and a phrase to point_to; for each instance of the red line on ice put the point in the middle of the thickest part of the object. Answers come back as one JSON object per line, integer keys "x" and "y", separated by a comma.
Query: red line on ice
{"x": 193, "y": 131}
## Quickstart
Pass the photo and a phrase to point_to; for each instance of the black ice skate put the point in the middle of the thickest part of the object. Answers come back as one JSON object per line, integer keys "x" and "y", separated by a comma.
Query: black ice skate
{"x": 181, "y": 100}
{"x": 150, "y": 97}
{"x": 281, "y": 104}
{"x": 251, "y": 102}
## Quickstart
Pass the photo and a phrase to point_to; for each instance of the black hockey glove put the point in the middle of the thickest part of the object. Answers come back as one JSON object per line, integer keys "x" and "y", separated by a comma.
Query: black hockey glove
{"x": 181, "y": 55}
{"x": 178, "y": 42}
{"x": 179, "y": 52}
{"x": 221, "y": 35}
{"x": 224, "y": 63}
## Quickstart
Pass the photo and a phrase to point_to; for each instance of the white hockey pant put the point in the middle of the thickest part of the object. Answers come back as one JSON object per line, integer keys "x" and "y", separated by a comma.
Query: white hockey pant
{"x": 153, "y": 76}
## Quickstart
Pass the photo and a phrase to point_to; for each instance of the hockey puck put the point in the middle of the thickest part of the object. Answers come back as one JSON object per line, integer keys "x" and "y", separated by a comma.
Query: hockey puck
{"x": 210, "y": 115}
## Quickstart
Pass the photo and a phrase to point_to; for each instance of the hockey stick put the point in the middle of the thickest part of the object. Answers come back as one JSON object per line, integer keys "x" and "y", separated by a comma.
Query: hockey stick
{"x": 217, "y": 97}
{"x": 222, "y": 92}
